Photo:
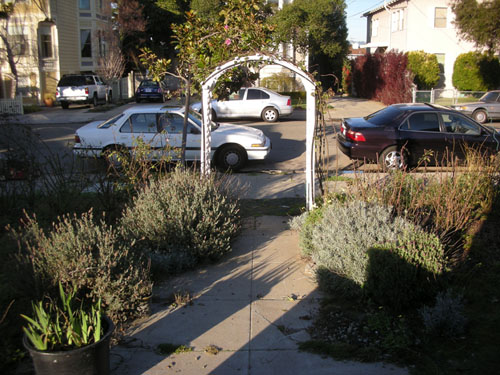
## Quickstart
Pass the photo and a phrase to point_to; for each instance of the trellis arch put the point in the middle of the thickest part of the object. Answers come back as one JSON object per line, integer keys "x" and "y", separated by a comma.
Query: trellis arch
{"x": 310, "y": 87}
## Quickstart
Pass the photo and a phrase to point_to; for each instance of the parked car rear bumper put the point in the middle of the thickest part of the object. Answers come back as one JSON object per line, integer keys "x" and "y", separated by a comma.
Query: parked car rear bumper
{"x": 86, "y": 152}
{"x": 149, "y": 96}
{"x": 73, "y": 99}
{"x": 353, "y": 151}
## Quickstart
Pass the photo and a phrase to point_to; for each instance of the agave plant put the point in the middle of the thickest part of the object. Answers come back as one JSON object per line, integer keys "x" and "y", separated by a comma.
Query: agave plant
{"x": 61, "y": 326}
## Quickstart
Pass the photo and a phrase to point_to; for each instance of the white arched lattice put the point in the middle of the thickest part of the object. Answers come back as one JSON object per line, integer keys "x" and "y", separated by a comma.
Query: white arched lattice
{"x": 308, "y": 84}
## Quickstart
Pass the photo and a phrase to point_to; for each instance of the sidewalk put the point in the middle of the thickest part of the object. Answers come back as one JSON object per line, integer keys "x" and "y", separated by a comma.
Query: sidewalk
{"x": 344, "y": 107}
{"x": 249, "y": 311}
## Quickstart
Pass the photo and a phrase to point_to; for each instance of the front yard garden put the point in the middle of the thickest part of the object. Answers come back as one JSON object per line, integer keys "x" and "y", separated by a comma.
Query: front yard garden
{"x": 409, "y": 265}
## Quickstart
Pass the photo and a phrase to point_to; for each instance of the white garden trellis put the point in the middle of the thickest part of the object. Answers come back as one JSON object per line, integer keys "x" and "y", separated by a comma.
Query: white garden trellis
{"x": 310, "y": 88}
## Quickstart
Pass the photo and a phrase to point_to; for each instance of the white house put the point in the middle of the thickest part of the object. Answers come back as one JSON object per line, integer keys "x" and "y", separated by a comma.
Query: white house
{"x": 413, "y": 25}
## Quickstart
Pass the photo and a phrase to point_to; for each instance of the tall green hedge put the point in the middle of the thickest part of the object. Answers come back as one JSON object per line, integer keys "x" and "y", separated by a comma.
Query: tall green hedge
{"x": 474, "y": 71}
{"x": 425, "y": 68}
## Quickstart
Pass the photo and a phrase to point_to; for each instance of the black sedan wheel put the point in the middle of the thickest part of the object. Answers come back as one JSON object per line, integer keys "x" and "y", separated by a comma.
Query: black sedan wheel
{"x": 392, "y": 158}
{"x": 231, "y": 158}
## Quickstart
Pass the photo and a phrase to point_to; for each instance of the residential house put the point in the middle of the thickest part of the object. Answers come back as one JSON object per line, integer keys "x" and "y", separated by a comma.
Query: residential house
{"x": 355, "y": 51}
{"x": 51, "y": 38}
{"x": 413, "y": 25}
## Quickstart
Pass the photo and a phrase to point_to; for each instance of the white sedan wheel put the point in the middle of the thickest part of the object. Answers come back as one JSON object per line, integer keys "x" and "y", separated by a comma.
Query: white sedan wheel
{"x": 270, "y": 114}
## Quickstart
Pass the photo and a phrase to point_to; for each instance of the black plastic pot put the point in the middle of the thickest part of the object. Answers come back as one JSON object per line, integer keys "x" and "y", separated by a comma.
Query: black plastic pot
{"x": 92, "y": 359}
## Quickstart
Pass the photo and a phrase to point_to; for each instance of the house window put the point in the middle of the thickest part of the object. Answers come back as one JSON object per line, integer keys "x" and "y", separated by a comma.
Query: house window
{"x": 85, "y": 43}
{"x": 441, "y": 60}
{"x": 397, "y": 20}
{"x": 18, "y": 44}
{"x": 84, "y": 4}
{"x": 374, "y": 27}
{"x": 46, "y": 45}
{"x": 440, "y": 18}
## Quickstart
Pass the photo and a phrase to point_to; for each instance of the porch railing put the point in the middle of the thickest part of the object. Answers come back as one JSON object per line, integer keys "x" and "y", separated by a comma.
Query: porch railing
{"x": 12, "y": 106}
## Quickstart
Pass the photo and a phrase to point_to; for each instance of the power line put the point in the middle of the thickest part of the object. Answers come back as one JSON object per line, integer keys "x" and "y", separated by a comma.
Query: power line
{"x": 366, "y": 10}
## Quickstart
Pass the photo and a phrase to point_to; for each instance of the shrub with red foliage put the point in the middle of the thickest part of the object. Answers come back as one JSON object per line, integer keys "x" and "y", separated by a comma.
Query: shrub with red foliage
{"x": 383, "y": 77}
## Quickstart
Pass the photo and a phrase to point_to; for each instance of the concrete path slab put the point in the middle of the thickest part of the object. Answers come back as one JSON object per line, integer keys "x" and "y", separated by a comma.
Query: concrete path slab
{"x": 254, "y": 306}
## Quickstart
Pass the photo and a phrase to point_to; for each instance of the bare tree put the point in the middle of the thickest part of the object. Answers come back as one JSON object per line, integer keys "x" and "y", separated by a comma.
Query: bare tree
{"x": 111, "y": 61}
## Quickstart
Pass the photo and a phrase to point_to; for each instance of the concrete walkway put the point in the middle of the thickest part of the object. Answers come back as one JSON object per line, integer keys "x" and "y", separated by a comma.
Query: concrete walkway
{"x": 247, "y": 314}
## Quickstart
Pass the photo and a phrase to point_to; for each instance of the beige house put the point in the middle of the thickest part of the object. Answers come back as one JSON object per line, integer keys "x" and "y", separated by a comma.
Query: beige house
{"x": 49, "y": 38}
{"x": 413, "y": 25}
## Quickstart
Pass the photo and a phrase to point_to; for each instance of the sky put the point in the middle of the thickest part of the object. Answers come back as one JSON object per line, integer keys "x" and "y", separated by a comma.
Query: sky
{"x": 356, "y": 23}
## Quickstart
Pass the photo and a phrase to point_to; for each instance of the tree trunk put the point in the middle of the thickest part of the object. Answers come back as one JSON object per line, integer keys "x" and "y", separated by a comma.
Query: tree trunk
{"x": 184, "y": 128}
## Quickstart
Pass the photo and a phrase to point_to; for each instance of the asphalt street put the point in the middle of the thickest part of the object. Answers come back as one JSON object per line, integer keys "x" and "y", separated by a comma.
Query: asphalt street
{"x": 56, "y": 128}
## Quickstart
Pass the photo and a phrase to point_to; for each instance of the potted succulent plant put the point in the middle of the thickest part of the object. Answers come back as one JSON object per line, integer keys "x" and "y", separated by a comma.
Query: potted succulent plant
{"x": 68, "y": 338}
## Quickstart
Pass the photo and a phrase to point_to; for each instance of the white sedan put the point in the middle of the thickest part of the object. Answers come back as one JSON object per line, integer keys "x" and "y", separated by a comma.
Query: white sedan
{"x": 257, "y": 102}
{"x": 161, "y": 128}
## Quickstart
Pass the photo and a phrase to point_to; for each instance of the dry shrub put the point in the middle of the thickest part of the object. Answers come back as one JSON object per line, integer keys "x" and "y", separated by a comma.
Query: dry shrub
{"x": 447, "y": 203}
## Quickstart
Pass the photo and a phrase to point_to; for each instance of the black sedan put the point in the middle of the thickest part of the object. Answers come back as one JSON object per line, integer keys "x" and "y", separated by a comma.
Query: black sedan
{"x": 149, "y": 90}
{"x": 401, "y": 134}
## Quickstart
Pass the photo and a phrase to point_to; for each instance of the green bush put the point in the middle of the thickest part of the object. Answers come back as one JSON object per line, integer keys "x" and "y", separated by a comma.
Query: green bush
{"x": 282, "y": 82}
{"x": 304, "y": 224}
{"x": 474, "y": 71}
{"x": 446, "y": 317}
{"x": 182, "y": 219}
{"x": 425, "y": 67}
{"x": 405, "y": 273}
{"x": 341, "y": 239}
{"x": 88, "y": 256}
{"x": 295, "y": 95}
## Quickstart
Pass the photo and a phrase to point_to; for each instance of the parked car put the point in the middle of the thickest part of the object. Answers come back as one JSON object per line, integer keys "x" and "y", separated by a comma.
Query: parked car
{"x": 256, "y": 102}
{"x": 487, "y": 108}
{"x": 82, "y": 89}
{"x": 149, "y": 90}
{"x": 161, "y": 127}
{"x": 399, "y": 135}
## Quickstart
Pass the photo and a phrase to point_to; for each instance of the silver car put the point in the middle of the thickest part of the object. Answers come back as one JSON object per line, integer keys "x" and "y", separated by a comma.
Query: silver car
{"x": 487, "y": 108}
{"x": 256, "y": 102}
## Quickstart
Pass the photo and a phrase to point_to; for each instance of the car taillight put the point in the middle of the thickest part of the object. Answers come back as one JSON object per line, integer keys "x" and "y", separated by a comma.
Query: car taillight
{"x": 86, "y": 90}
{"x": 289, "y": 102}
{"x": 77, "y": 138}
{"x": 355, "y": 136}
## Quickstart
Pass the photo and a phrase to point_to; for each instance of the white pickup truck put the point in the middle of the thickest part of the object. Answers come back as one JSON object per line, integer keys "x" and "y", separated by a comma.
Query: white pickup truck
{"x": 82, "y": 89}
